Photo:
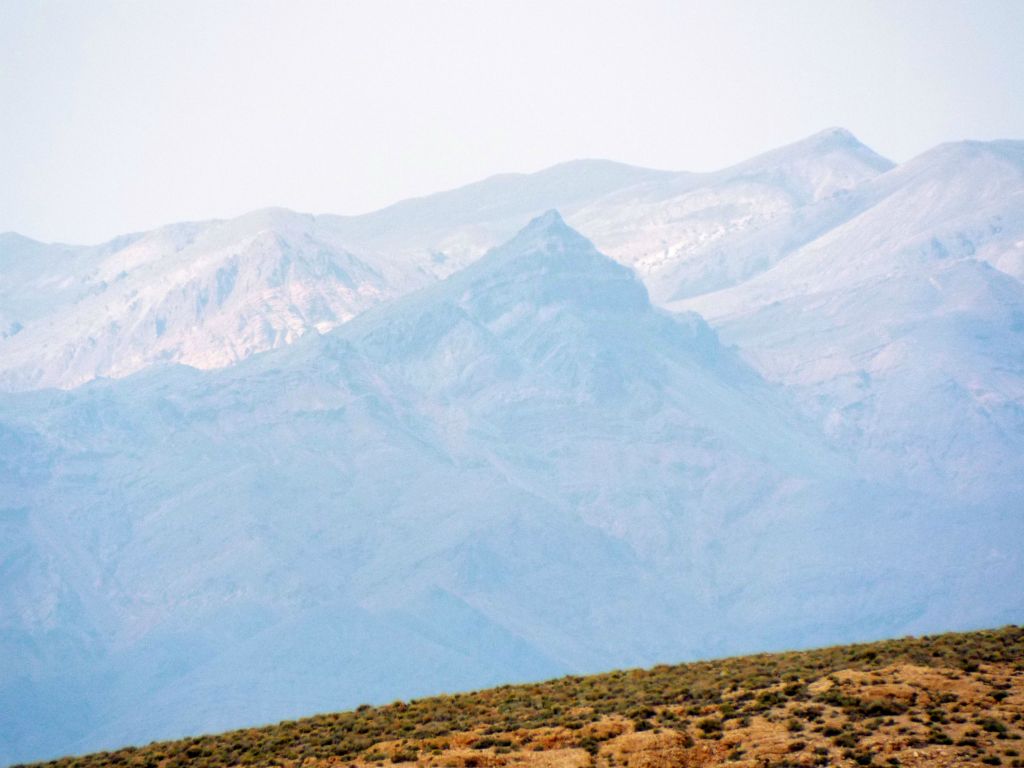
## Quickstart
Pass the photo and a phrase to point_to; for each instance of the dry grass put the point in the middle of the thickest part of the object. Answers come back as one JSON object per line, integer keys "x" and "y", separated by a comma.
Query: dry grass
{"x": 953, "y": 699}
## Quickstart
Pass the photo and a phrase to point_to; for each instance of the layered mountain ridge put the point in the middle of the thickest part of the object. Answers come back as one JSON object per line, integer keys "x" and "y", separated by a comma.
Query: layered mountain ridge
{"x": 915, "y": 310}
{"x": 208, "y": 294}
{"x": 453, "y": 444}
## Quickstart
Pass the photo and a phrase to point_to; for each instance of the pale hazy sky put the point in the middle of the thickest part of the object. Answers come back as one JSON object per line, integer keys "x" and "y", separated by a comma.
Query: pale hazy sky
{"x": 124, "y": 116}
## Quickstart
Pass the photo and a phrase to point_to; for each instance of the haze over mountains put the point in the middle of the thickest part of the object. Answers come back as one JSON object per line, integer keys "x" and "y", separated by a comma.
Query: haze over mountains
{"x": 777, "y": 405}
{"x": 211, "y": 293}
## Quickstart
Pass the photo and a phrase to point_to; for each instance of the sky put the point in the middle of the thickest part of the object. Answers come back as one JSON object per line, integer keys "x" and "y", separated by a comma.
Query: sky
{"x": 123, "y": 116}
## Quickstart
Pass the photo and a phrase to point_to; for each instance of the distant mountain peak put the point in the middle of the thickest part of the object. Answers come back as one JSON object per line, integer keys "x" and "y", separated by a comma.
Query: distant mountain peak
{"x": 829, "y": 140}
{"x": 836, "y": 135}
{"x": 827, "y": 143}
{"x": 548, "y": 223}
{"x": 544, "y": 233}
{"x": 550, "y": 218}
{"x": 547, "y": 268}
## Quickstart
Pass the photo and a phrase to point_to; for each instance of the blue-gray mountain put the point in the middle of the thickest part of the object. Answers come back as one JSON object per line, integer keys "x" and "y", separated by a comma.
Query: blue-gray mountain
{"x": 486, "y": 469}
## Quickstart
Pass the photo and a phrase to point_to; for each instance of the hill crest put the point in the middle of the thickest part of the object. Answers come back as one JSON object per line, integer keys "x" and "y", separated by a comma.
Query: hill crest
{"x": 929, "y": 701}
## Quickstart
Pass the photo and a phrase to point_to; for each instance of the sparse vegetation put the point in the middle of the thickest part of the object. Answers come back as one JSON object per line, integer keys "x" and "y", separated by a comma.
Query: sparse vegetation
{"x": 931, "y": 701}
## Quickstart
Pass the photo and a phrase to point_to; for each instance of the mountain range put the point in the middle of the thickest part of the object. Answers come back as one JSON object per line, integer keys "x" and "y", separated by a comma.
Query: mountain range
{"x": 592, "y": 417}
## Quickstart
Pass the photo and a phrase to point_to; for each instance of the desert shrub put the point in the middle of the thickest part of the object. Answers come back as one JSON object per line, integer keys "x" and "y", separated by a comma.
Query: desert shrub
{"x": 845, "y": 740}
{"x": 709, "y": 724}
{"x": 991, "y": 725}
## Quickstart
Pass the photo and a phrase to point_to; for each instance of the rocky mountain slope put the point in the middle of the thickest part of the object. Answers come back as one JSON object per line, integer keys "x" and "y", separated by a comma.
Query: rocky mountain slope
{"x": 394, "y": 465}
{"x": 208, "y": 294}
{"x": 902, "y": 329}
{"x": 502, "y": 476}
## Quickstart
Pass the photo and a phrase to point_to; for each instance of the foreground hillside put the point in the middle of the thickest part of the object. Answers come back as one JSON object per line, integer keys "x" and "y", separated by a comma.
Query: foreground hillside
{"x": 939, "y": 700}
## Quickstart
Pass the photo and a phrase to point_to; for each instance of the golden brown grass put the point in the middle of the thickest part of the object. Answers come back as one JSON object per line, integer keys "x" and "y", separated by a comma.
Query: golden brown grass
{"x": 952, "y": 699}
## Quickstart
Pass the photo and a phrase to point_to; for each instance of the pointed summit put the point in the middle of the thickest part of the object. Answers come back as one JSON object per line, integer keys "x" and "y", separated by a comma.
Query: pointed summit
{"x": 546, "y": 281}
{"x": 547, "y": 225}
{"x": 547, "y": 220}
{"x": 548, "y": 233}
{"x": 547, "y": 245}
